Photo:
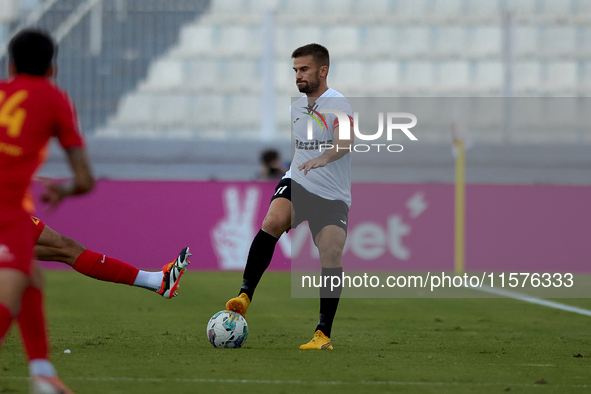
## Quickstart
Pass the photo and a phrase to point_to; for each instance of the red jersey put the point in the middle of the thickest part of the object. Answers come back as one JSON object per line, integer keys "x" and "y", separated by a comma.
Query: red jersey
{"x": 32, "y": 110}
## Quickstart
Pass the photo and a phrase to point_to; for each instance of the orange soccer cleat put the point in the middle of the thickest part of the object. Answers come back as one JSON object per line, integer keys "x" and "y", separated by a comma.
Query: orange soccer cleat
{"x": 172, "y": 273}
{"x": 239, "y": 304}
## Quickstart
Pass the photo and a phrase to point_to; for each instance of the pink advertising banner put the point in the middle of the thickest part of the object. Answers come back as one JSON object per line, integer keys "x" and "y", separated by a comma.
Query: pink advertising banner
{"x": 392, "y": 227}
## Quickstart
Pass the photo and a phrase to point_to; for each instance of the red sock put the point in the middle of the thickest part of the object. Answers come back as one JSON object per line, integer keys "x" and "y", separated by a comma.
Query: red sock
{"x": 105, "y": 268}
{"x": 31, "y": 322}
{"x": 5, "y": 320}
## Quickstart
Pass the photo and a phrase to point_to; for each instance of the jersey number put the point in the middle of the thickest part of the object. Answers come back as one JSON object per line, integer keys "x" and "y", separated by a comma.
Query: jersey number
{"x": 280, "y": 190}
{"x": 11, "y": 116}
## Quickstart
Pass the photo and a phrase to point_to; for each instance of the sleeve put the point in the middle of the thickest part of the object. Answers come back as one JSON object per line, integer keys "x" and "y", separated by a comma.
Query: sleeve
{"x": 67, "y": 128}
{"x": 345, "y": 106}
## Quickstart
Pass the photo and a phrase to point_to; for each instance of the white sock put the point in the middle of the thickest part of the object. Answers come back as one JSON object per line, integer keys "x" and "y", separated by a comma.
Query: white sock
{"x": 149, "y": 280}
{"x": 41, "y": 366}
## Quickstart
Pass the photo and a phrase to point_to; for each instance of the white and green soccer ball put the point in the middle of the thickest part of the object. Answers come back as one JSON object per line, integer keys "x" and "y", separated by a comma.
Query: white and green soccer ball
{"x": 227, "y": 330}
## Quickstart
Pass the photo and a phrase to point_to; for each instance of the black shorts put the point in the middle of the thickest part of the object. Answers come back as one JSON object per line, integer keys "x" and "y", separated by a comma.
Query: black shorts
{"x": 317, "y": 211}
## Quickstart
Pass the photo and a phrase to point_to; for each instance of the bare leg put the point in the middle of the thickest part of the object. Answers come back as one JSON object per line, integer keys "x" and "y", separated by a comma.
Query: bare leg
{"x": 52, "y": 246}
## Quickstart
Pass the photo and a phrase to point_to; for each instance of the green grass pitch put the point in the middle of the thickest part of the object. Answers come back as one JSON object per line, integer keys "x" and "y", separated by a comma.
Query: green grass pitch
{"x": 127, "y": 340}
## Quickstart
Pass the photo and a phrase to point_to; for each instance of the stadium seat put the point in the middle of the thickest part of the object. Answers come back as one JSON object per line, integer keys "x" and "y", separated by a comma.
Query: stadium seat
{"x": 449, "y": 41}
{"x": 412, "y": 41}
{"x": 348, "y": 75}
{"x": 525, "y": 41}
{"x": 414, "y": 8}
{"x": 343, "y": 41}
{"x": 446, "y": 7}
{"x": 416, "y": 74}
{"x": 380, "y": 41}
{"x": 169, "y": 110}
{"x": 134, "y": 108}
{"x": 453, "y": 75}
{"x": 239, "y": 41}
{"x": 526, "y": 76}
{"x": 194, "y": 40}
{"x": 560, "y": 76}
{"x": 202, "y": 74}
{"x": 241, "y": 74}
{"x": 298, "y": 7}
{"x": 522, "y": 7}
{"x": 382, "y": 76}
{"x": 482, "y": 8}
{"x": 243, "y": 111}
{"x": 582, "y": 7}
{"x": 165, "y": 74}
{"x": 288, "y": 39}
{"x": 259, "y": 6}
{"x": 584, "y": 41}
{"x": 335, "y": 7}
{"x": 558, "y": 7}
{"x": 376, "y": 7}
{"x": 285, "y": 77}
{"x": 558, "y": 40}
{"x": 483, "y": 41}
{"x": 206, "y": 111}
{"x": 488, "y": 76}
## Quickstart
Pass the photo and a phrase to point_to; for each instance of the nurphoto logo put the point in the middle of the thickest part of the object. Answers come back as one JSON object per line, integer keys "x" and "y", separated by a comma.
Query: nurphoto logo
{"x": 345, "y": 132}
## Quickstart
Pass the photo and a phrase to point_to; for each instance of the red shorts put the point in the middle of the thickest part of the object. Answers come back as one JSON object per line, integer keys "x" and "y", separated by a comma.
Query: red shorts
{"x": 38, "y": 226}
{"x": 16, "y": 244}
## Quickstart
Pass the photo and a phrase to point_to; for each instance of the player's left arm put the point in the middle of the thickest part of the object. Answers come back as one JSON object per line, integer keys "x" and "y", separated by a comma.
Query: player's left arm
{"x": 339, "y": 149}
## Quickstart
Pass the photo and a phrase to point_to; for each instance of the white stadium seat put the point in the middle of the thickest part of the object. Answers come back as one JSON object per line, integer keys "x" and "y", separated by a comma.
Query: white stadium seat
{"x": 447, "y": 7}
{"x": 380, "y": 40}
{"x": 558, "y": 7}
{"x": 526, "y": 76}
{"x": 202, "y": 74}
{"x": 489, "y": 75}
{"x": 206, "y": 111}
{"x": 165, "y": 74}
{"x": 522, "y": 6}
{"x": 560, "y": 76}
{"x": 558, "y": 40}
{"x": 343, "y": 40}
{"x": 412, "y": 41}
{"x": 483, "y": 41}
{"x": 411, "y": 7}
{"x": 195, "y": 39}
{"x": 449, "y": 41}
{"x": 169, "y": 110}
{"x": 416, "y": 75}
{"x": 135, "y": 108}
{"x": 383, "y": 75}
{"x": 525, "y": 40}
{"x": 453, "y": 75}
{"x": 347, "y": 75}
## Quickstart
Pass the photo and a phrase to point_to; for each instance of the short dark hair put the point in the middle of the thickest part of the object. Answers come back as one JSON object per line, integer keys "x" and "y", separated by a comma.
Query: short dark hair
{"x": 318, "y": 52}
{"x": 268, "y": 156}
{"x": 32, "y": 51}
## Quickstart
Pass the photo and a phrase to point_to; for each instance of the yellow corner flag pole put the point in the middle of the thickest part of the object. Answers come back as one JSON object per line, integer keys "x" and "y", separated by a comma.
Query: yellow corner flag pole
{"x": 460, "y": 206}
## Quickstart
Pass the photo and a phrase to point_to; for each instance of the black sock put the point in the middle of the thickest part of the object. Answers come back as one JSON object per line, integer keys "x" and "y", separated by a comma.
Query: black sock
{"x": 329, "y": 300}
{"x": 259, "y": 258}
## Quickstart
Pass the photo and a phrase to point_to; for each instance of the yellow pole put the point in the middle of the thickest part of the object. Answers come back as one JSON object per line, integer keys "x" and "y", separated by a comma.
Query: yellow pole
{"x": 460, "y": 207}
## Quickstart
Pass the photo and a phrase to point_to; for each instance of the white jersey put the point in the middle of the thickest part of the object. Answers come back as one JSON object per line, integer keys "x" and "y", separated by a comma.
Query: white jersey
{"x": 333, "y": 181}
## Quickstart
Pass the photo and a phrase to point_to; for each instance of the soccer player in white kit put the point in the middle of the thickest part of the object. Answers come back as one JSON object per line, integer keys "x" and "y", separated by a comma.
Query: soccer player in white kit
{"x": 322, "y": 182}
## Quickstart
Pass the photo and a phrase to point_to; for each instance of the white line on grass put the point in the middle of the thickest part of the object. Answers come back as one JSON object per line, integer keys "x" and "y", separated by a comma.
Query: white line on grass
{"x": 538, "y": 301}
{"x": 287, "y": 382}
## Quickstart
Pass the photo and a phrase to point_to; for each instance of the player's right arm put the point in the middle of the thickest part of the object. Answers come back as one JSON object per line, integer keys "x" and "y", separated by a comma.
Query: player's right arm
{"x": 70, "y": 138}
{"x": 82, "y": 181}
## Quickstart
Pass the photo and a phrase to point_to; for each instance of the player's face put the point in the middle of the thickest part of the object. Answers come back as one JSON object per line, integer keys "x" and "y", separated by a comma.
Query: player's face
{"x": 307, "y": 74}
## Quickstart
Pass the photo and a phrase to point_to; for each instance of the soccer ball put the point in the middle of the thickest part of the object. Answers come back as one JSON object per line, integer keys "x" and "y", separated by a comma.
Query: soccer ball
{"x": 227, "y": 330}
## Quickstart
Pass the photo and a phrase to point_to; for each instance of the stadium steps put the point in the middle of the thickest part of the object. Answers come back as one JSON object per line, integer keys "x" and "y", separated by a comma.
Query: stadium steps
{"x": 209, "y": 84}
